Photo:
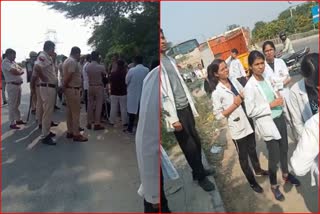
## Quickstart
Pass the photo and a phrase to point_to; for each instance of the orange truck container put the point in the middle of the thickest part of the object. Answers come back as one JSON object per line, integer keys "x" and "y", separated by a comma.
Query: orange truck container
{"x": 238, "y": 38}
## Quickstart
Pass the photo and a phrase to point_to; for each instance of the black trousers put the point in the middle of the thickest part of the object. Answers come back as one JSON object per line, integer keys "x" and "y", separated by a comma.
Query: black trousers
{"x": 190, "y": 142}
{"x": 148, "y": 208}
{"x": 278, "y": 150}
{"x": 132, "y": 118}
{"x": 246, "y": 147}
{"x": 86, "y": 99}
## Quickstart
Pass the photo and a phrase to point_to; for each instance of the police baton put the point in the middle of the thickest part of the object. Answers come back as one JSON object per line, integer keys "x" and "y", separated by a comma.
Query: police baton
{"x": 30, "y": 105}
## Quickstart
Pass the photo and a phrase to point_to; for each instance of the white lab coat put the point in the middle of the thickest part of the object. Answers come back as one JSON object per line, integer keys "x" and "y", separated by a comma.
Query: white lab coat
{"x": 147, "y": 139}
{"x": 85, "y": 76}
{"x": 305, "y": 156}
{"x": 258, "y": 108}
{"x": 278, "y": 75}
{"x": 299, "y": 105}
{"x": 236, "y": 69}
{"x": 168, "y": 104}
{"x": 222, "y": 98}
{"x": 134, "y": 81}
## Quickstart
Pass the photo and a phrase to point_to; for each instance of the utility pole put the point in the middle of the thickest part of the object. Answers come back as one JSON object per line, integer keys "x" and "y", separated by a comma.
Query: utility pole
{"x": 290, "y": 8}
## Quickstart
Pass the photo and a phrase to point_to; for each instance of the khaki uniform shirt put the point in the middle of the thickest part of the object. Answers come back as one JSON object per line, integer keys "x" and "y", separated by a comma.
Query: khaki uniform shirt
{"x": 7, "y": 65}
{"x": 71, "y": 65}
{"x": 95, "y": 72}
{"x": 48, "y": 67}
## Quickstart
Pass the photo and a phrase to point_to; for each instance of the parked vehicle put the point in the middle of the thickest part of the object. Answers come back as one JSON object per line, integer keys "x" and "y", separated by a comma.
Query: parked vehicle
{"x": 293, "y": 61}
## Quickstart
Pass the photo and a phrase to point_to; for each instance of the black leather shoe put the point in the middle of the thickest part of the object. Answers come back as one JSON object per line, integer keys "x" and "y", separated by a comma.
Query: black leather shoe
{"x": 48, "y": 141}
{"x": 51, "y": 134}
{"x": 257, "y": 188}
{"x": 206, "y": 185}
{"x": 98, "y": 127}
{"x": 69, "y": 135}
{"x": 20, "y": 122}
{"x": 81, "y": 129}
{"x": 54, "y": 124}
{"x": 207, "y": 172}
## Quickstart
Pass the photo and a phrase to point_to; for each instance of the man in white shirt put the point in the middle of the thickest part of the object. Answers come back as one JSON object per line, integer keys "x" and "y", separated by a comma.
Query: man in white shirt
{"x": 236, "y": 69}
{"x": 12, "y": 73}
{"x": 288, "y": 48}
{"x": 85, "y": 80}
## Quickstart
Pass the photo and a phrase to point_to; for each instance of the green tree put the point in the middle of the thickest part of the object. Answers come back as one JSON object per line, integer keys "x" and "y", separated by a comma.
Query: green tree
{"x": 128, "y": 28}
{"x": 301, "y": 21}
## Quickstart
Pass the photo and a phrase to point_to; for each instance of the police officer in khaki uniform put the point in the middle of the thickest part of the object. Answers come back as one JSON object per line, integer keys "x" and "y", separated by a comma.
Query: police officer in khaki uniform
{"x": 12, "y": 73}
{"x": 45, "y": 69}
{"x": 29, "y": 67}
{"x": 72, "y": 85}
{"x": 35, "y": 89}
{"x": 95, "y": 72}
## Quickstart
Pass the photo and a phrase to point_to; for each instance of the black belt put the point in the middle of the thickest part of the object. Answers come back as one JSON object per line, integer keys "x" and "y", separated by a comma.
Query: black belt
{"x": 77, "y": 88}
{"x": 14, "y": 83}
{"x": 47, "y": 85}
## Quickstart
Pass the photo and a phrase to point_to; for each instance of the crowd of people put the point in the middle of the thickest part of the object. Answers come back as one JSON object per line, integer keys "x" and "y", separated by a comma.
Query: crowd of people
{"x": 106, "y": 91}
{"x": 256, "y": 103}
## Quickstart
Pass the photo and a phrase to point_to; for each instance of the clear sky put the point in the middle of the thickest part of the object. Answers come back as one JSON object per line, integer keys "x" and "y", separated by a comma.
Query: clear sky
{"x": 201, "y": 20}
{"x": 24, "y": 26}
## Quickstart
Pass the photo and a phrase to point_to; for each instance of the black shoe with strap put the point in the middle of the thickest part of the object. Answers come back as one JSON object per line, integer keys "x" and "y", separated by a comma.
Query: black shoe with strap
{"x": 277, "y": 194}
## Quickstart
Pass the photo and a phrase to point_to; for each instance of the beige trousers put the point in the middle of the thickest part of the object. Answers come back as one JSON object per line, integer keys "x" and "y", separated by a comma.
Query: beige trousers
{"x": 14, "y": 99}
{"x": 73, "y": 110}
{"x": 47, "y": 95}
{"x": 95, "y": 101}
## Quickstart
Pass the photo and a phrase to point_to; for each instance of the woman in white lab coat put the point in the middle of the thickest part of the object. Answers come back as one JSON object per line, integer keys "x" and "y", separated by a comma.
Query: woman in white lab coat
{"x": 264, "y": 105}
{"x": 277, "y": 72}
{"x": 305, "y": 156}
{"x": 303, "y": 99}
{"x": 227, "y": 101}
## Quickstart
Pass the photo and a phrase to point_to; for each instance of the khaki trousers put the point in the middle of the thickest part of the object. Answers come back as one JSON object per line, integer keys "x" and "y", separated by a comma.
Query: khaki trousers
{"x": 95, "y": 101}
{"x": 33, "y": 100}
{"x": 39, "y": 106}
{"x": 3, "y": 89}
{"x": 14, "y": 99}
{"x": 73, "y": 110}
{"x": 47, "y": 95}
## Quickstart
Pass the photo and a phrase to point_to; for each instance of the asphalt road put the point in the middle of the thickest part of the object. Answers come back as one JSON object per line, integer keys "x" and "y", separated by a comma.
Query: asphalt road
{"x": 100, "y": 175}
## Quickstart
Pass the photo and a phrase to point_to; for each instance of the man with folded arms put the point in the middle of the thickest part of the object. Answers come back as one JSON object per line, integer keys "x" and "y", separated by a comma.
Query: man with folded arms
{"x": 12, "y": 73}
